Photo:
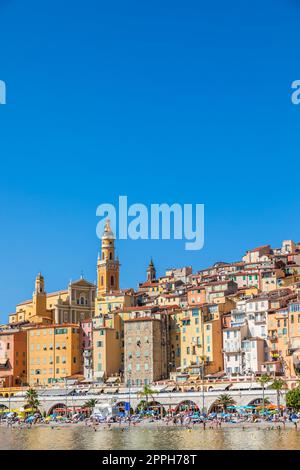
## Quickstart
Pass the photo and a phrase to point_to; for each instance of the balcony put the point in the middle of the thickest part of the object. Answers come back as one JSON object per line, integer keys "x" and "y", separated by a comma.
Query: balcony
{"x": 273, "y": 338}
{"x": 234, "y": 350}
{"x": 259, "y": 320}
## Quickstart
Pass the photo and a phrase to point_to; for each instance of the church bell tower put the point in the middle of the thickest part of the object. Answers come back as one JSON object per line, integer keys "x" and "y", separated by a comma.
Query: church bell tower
{"x": 108, "y": 265}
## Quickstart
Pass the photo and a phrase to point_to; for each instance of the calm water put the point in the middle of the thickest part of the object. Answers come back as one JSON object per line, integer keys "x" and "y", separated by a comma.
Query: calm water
{"x": 148, "y": 439}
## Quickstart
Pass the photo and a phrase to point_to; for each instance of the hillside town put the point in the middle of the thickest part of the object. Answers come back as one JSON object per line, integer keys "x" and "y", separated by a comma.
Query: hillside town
{"x": 230, "y": 320}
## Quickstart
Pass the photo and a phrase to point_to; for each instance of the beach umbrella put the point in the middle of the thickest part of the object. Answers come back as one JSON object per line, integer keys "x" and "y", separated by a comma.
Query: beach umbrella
{"x": 29, "y": 419}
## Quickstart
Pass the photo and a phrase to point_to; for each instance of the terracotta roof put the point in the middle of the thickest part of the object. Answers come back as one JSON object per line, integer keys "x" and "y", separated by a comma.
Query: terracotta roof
{"x": 144, "y": 307}
{"x": 52, "y": 325}
{"x": 259, "y": 248}
{"x": 141, "y": 319}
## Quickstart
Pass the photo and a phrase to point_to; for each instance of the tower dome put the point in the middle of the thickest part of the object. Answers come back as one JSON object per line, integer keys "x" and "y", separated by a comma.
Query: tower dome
{"x": 108, "y": 234}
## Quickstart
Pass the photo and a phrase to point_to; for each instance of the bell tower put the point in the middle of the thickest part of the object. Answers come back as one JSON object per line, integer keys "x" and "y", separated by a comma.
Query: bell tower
{"x": 151, "y": 272}
{"x": 39, "y": 296}
{"x": 108, "y": 265}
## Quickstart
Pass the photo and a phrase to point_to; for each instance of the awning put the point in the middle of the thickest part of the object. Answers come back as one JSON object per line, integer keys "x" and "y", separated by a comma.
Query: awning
{"x": 242, "y": 386}
{"x": 110, "y": 389}
{"x": 169, "y": 388}
{"x": 112, "y": 380}
{"x": 219, "y": 387}
{"x": 158, "y": 388}
{"x": 126, "y": 390}
{"x": 216, "y": 375}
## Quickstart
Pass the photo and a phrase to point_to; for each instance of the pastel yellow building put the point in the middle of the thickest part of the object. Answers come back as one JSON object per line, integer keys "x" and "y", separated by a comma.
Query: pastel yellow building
{"x": 53, "y": 353}
{"x": 72, "y": 305}
{"x": 201, "y": 338}
{"x": 35, "y": 310}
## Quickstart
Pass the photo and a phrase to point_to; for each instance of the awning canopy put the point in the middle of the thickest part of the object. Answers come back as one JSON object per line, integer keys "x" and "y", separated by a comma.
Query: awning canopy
{"x": 169, "y": 388}
{"x": 246, "y": 386}
{"x": 219, "y": 387}
{"x": 112, "y": 380}
{"x": 110, "y": 389}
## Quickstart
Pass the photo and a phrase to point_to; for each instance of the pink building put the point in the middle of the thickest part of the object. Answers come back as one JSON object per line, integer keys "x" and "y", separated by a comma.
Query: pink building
{"x": 86, "y": 341}
{"x": 13, "y": 358}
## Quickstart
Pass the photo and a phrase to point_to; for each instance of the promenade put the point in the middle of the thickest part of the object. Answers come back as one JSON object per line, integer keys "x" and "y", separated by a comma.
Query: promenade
{"x": 52, "y": 398}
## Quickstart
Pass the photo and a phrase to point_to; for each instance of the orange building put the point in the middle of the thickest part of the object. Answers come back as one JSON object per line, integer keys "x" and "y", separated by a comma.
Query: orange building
{"x": 54, "y": 353}
{"x": 196, "y": 295}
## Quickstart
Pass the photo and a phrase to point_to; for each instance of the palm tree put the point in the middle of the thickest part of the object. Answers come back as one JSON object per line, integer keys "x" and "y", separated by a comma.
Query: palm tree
{"x": 263, "y": 380}
{"x": 146, "y": 393}
{"x": 32, "y": 399}
{"x": 90, "y": 404}
{"x": 278, "y": 385}
{"x": 224, "y": 401}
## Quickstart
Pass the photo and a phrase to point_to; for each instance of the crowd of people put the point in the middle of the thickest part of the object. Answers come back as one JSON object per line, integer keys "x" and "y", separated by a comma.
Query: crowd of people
{"x": 184, "y": 418}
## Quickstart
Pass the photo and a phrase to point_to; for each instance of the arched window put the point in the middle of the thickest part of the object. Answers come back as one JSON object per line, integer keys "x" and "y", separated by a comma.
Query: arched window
{"x": 82, "y": 300}
{"x": 110, "y": 255}
{"x": 102, "y": 281}
{"x": 112, "y": 280}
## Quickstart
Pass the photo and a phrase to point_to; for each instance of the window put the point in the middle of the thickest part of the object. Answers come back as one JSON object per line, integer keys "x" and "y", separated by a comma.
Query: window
{"x": 112, "y": 280}
{"x": 99, "y": 344}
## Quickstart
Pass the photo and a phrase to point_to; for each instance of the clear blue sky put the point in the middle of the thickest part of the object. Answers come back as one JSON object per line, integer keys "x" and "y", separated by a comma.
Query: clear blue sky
{"x": 163, "y": 101}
